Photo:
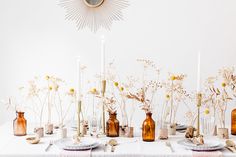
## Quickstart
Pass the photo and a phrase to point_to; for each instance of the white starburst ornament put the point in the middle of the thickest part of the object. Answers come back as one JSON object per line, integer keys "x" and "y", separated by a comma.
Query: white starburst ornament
{"x": 94, "y": 14}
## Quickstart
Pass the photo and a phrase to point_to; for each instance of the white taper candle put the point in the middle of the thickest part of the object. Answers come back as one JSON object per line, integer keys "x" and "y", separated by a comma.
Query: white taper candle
{"x": 103, "y": 60}
{"x": 199, "y": 73}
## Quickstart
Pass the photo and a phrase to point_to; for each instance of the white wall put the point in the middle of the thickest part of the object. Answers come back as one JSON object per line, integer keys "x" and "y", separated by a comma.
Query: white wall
{"x": 35, "y": 39}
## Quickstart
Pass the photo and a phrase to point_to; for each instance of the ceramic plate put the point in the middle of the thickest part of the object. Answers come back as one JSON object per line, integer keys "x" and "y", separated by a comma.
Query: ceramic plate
{"x": 181, "y": 127}
{"x": 221, "y": 146}
{"x": 85, "y": 144}
{"x": 209, "y": 145}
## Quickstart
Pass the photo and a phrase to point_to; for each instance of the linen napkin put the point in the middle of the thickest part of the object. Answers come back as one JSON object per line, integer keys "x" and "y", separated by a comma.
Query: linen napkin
{"x": 86, "y": 153}
{"x": 207, "y": 154}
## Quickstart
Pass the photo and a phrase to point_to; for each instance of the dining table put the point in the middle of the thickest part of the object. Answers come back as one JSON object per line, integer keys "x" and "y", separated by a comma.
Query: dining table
{"x": 17, "y": 146}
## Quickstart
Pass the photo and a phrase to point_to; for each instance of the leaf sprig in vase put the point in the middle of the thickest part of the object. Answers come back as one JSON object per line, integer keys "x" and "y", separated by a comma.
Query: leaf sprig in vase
{"x": 176, "y": 94}
{"x": 146, "y": 94}
{"x": 218, "y": 95}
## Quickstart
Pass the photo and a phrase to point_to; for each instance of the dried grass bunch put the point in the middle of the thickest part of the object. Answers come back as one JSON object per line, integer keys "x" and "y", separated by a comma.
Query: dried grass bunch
{"x": 176, "y": 94}
{"x": 219, "y": 91}
{"x": 146, "y": 94}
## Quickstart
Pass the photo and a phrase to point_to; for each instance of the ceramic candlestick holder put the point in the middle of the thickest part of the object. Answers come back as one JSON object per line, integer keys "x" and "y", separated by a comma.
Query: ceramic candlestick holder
{"x": 223, "y": 133}
{"x": 103, "y": 107}
{"x": 39, "y": 132}
{"x": 171, "y": 129}
{"x": 127, "y": 132}
{"x": 163, "y": 134}
{"x": 49, "y": 129}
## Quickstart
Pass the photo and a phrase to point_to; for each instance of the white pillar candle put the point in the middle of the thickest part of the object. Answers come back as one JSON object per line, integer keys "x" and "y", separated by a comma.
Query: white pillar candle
{"x": 199, "y": 73}
{"x": 103, "y": 62}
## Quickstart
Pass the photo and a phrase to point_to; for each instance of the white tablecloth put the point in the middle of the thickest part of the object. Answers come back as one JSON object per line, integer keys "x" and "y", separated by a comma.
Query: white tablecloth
{"x": 12, "y": 146}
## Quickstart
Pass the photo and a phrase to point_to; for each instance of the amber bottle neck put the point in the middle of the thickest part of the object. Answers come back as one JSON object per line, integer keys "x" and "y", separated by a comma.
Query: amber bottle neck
{"x": 149, "y": 115}
{"x": 20, "y": 114}
{"x": 112, "y": 115}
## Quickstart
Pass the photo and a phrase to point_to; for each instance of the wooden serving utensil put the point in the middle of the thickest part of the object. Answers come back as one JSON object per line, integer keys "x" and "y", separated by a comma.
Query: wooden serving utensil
{"x": 231, "y": 146}
{"x": 33, "y": 140}
{"x": 113, "y": 143}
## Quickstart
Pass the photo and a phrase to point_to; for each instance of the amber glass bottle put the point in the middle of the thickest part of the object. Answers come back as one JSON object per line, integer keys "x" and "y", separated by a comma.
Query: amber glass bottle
{"x": 233, "y": 122}
{"x": 148, "y": 128}
{"x": 20, "y": 124}
{"x": 112, "y": 127}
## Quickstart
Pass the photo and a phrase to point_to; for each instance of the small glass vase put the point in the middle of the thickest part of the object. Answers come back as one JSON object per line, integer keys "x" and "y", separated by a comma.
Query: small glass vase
{"x": 112, "y": 127}
{"x": 148, "y": 128}
{"x": 163, "y": 131}
{"x": 94, "y": 126}
{"x": 20, "y": 124}
{"x": 208, "y": 125}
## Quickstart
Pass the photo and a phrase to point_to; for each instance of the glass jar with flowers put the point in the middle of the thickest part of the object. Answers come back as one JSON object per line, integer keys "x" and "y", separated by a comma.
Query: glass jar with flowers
{"x": 122, "y": 104}
{"x": 211, "y": 99}
{"x": 19, "y": 123}
{"x": 146, "y": 96}
{"x": 218, "y": 95}
{"x": 176, "y": 94}
{"x": 207, "y": 123}
{"x": 112, "y": 124}
{"x": 63, "y": 102}
{"x": 148, "y": 126}
{"x": 37, "y": 96}
{"x": 120, "y": 91}
{"x": 50, "y": 81}
{"x": 94, "y": 122}
{"x": 225, "y": 75}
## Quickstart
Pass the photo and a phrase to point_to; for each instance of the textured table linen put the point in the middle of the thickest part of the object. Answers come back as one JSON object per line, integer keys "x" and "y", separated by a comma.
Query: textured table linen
{"x": 11, "y": 146}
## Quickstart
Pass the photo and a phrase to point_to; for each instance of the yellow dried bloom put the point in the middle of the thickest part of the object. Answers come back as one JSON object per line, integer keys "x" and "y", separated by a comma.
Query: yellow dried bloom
{"x": 207, "y": 111}
{"x": 47, "y": 77}
{"x": 223, "y": 84}
{"x": 121, "y": 88}
{"x": 50, "y": 87}
{"x": 93, "y": 91}
{"x": 72, "y": 91}
{"x": 116, "y": 84}
{"x": 167, "y": 96}
{"x": 56, "y": 87}
{"x": 172, "y": 78}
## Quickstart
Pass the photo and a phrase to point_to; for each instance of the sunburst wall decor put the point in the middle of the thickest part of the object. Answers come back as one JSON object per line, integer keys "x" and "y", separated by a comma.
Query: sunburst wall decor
{"x": 94, "y": 14}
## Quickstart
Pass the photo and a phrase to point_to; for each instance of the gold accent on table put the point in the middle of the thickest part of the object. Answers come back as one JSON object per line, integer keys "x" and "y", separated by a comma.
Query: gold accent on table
{"x": 94, "y": 14}
{"x": 199, "y": 104}
{"x": 104, "y": 83}
{"x": 79, "y": 111}
{"x": 92, "y": 4}
{"x": 103, "y": 106}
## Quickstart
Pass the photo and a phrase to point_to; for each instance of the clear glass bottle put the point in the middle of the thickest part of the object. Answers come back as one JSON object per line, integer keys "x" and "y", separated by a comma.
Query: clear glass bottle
{"x": 207, "y": 125}
{"x": 112, "y": 127}
{"x": 20, "y": 124}
{"x": 94, "y": 126}
{"x": 148, "y": 128}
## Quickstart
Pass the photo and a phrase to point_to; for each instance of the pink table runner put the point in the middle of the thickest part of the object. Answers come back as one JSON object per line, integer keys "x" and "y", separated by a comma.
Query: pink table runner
{"x": 208, "y": 154}
{"x": 86, "y": 153}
